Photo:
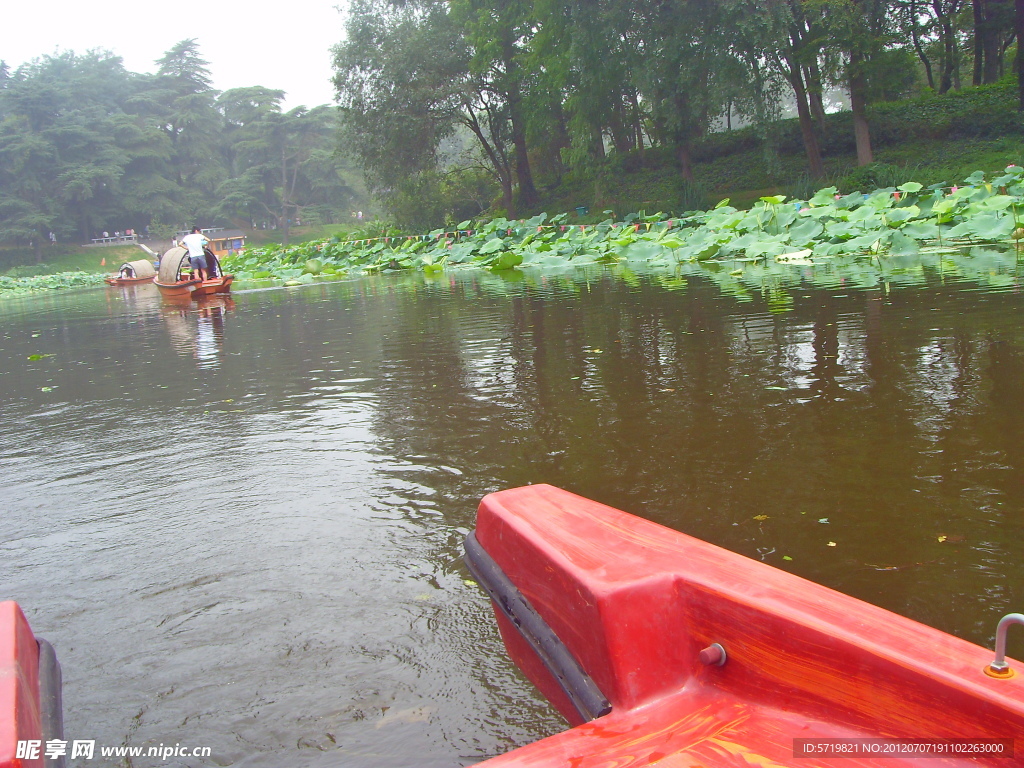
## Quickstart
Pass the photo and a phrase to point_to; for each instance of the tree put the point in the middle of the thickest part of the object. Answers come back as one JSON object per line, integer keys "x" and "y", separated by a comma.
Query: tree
{"x": 499, "y": 32}
{"x": 409, "y": 97}
{"x": 190, "y": 121}
{"x": 993, "y": 32}
{"x": 280, "y": 163}
{"x": 797, "y": 42}
{"x": 60, "y": 162}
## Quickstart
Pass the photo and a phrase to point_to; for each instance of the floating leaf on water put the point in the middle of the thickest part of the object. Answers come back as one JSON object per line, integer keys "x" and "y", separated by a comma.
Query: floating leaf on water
{"x": 831, "y": 544}
{"x": 796, "y": 257}
{"x": 38, "y": 357}
{"x": 942, "y": 539}
{"x": 760, "y": 517}
{"x": 46, "y": 389}
{"x": 469, "y": 582}
{"x": 786, "y": 557}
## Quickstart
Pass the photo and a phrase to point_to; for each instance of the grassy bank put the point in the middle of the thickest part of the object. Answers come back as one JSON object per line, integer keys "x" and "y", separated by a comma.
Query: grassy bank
{"x": 742, "y": 178}
{"x": 21, "y": 261}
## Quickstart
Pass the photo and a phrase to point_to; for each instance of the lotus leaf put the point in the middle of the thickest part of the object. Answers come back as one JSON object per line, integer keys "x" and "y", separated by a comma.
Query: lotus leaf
{"x": 492, "y": 246}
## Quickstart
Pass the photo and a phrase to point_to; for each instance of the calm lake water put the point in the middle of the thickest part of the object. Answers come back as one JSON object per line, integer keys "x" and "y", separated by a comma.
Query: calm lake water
{"x": 240, "y": 524}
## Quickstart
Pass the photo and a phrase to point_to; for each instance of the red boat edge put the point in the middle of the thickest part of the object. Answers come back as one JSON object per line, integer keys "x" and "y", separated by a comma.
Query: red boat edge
{"x": 127, "y": 280}
{"x": 177, "y": 288}
{"x": 214, "y": 285}
{"x": 30, "y": 691}
{"x": 662, "y": 649}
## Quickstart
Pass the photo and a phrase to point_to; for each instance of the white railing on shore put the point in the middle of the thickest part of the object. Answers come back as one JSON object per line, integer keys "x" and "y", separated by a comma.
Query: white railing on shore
{"x": 114, "y": 240}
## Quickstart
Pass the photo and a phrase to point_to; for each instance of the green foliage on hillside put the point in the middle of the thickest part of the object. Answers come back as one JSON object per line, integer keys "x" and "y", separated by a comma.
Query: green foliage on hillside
{"x": 566, "y": 104}
{"x": 87, "y": 146}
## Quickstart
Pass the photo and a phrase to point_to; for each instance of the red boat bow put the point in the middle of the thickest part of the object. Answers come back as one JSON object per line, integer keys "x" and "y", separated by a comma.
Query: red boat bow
{"x": 638, "y": 608}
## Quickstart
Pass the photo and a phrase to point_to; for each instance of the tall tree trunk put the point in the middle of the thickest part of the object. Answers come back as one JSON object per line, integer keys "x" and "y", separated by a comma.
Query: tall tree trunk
{"x": 979, "y": 39}
{"x": 284, "y": 195}
{"x": 559, "y": 140}
{"x": 682, "y": 134}
{"x": 1018, "y": 23}
{"x": 950, "y": 55}
{"x": 597, "y": 142}
{"x": 916, "y": 36}
{"x": 636, "y": 119}
{"x": 621, "y": 129}
{"x": 993, "y": 67}
{"x": 683, "y": 155}
{"x": 527, "y": 191}
{"x": 816, "y": 167}
{"x": 812, "y": 75}
{"x": 497, "y": 158}
{"x": 858, "y": 105}
{"x": 507, "y": 198}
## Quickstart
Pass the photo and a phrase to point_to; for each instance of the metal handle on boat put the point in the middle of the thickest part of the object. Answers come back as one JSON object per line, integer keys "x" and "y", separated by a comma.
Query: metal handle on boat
{"x": 999, "y": 667}
{"x": 713, "y": 655}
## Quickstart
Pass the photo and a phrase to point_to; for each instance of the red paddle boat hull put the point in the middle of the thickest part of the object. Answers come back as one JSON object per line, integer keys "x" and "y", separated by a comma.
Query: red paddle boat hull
{"x": 30, "y": 685}
{"x": 214, "y": 285}
{"x": 665, "y": 650}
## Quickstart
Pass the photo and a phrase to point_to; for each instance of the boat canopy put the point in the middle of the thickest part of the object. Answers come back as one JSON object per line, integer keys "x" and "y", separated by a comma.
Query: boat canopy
{"x": 176, "y": 259}
{"x": 140, "y": 268}
{"x": 171, "y": 263}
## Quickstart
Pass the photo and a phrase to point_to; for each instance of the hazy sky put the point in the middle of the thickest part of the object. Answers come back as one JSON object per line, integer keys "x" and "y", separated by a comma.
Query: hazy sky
{"x": 279, "y": 45}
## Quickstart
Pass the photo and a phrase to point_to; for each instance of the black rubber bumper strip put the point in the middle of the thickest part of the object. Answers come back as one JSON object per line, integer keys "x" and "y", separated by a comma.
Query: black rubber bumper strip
{"x": 50, "y": 700}
{"x": 581, "y": 689}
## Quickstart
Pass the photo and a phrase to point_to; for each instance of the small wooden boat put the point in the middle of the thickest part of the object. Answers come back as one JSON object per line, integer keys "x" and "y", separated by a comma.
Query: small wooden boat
{"x": 215, "y": 285}
{"x": 664, "y": 650}
{"x": 132, "y": 272}
{"x": 30, "y": 693}
{"x": 176, "y": 278}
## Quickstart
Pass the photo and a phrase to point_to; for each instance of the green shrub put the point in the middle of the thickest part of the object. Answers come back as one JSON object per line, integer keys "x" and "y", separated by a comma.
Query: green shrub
{"x": 692, "y": 196}
{"x": 30, "y": 270}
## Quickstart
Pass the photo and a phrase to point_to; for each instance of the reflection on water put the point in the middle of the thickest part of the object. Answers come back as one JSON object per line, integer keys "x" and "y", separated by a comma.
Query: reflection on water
{"x": 196, "y": 327}
{"x": 240, "y": 522}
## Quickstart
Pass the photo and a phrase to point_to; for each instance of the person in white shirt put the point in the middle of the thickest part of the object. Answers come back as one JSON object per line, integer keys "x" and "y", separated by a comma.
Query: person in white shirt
{"x": 196, "y": 256}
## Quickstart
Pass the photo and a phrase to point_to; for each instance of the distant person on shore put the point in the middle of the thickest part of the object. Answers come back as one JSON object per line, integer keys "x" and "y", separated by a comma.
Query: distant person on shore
{"x": 196, "y": 255}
